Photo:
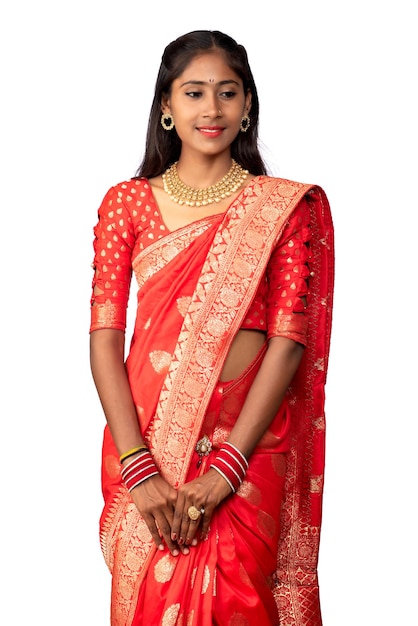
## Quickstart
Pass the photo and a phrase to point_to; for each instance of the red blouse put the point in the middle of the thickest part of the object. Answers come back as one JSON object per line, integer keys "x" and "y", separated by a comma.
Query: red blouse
{"x": 129, "y": 221}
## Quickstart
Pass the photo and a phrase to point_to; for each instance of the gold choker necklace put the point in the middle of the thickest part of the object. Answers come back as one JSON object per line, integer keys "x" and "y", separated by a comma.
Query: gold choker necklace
{"x": 183, "y": 194}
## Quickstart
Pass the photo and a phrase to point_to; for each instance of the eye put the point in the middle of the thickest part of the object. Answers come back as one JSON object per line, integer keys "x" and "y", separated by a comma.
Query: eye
{"x": 193, "y": 94}
{"x": 227, "y": 95}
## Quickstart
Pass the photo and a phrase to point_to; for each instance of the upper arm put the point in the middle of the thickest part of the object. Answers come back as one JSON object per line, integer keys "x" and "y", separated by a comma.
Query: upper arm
{"x": 113, "y": 242}
{"x": 287, "y": 277}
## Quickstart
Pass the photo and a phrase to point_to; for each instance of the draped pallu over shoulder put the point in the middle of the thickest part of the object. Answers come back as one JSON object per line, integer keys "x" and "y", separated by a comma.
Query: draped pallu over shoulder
{"x": 221, "y": 299}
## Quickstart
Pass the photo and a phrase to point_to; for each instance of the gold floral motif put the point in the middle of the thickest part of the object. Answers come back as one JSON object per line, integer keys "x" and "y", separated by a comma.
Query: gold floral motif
{"x": 169, "y": 252}
{"x": 270, "y": 214}
{"x": 206, "y": 579}
{"x": 160, "y": 360}
{"x": 175, "y": 447}
{"x": 132, "y": 560}
{"x": 266, "y": 524}
{"x": 242, "y": 268}
{"x": 125, "y": 589}
{"x": 215, "y": 327}
{"x": 204, "y": 357}
{"x": 254, "y": 239}
{"x": 193, "y": 577}
{"x": 183, "y": 305}
{"x": 170, "y": 616}
{"x": 316, "y": 484}
{"x": 243, "y": 574}
{"x": 229, "y": 297}
{"x": 193, "y": 388}
{"x": 183, "y": 418}
{"x": 238, "y": 619}
{"x": 286, "y": 191}
{"x": 250, "y": 492}
{"x": 319, "y": 422}
{"x": 278, "y": 462}
{"x": 111, "y": 465}
{"x": 106, "y": 314}
{"x": 163, "y": 570}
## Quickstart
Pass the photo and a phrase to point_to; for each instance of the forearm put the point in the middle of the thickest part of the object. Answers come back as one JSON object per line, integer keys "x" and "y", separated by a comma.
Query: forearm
{"x": 112, "y": 384}
{"x": 266, "y": 394}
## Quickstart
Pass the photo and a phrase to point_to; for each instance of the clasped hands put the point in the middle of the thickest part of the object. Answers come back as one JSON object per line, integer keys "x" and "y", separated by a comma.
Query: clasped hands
{"x": 166, "y": 510}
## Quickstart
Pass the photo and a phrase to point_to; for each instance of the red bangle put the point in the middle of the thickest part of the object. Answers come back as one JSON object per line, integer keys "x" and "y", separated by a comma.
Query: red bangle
{"x": 139, "y": 469}
{"x": 231, "y": 464}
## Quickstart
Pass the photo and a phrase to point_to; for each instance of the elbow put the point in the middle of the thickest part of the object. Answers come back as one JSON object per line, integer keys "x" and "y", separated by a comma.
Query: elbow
{"x": 287, "y": 349}
{"x": 106, "y": 344}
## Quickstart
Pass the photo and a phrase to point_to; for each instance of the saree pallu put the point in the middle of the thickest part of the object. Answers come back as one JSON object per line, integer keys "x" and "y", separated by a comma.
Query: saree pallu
{"x": 195, "y": 286}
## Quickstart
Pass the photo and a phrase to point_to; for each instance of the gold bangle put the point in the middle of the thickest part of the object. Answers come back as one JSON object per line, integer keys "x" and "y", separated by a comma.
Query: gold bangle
{"x": 131, "y": 452}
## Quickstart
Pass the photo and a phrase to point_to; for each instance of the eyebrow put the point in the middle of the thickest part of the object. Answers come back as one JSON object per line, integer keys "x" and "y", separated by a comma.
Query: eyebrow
{"x": 202, "y": 82}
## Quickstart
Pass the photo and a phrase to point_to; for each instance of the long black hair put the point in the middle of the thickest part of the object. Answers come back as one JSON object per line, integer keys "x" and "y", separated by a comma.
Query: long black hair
{"x": 163, "y": 147}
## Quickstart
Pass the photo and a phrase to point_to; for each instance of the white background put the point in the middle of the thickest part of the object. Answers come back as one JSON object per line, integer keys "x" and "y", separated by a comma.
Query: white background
{"x": 338, "y": 108}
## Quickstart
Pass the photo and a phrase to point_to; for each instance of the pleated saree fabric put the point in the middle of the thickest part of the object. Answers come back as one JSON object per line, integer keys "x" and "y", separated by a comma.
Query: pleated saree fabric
{"x": 196, "y": 285}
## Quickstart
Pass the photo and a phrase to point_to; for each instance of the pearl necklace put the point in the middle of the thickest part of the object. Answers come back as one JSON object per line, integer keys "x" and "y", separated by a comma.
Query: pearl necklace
{"x": 183, "y": 194}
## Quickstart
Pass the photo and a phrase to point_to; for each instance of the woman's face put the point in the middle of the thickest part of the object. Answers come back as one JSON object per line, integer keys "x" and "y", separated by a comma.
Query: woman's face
{"x": 207, "y": 102}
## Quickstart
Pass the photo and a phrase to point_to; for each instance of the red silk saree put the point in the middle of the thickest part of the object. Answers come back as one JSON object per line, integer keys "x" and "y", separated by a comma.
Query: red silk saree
{"x": 258, "y": 564}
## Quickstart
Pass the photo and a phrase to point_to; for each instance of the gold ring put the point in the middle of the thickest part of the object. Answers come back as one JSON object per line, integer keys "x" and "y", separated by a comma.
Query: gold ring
{"x": 194, "y": 513}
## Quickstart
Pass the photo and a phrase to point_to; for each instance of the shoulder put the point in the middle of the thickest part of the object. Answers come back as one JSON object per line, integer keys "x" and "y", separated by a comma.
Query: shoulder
{"x": 286, "y": 187}
{"x": 128, "y": 193}
{"x": 131, "y": 187}
{"x": 286, "y": 183}
{"x": 279, "y": 189}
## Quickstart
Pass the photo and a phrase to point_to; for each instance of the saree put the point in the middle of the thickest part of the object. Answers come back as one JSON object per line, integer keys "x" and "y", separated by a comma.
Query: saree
{"x": 258, "y": 564}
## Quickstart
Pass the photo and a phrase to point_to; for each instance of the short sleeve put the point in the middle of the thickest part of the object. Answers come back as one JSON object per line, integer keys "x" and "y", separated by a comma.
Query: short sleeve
{"x": 287, "y": 277}
{"x": 114, "y": 239}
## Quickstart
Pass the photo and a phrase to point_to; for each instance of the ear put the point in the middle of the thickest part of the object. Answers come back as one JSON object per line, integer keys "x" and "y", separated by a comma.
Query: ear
{"x": 165, "y": 105}
{"x": 248, "y": 99}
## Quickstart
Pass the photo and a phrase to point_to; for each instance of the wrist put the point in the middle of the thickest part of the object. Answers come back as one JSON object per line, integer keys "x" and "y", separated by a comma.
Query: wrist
{"x": 132, "y": 452}
{"x": 231, "y": 464}
{"x": 138, "y": 469}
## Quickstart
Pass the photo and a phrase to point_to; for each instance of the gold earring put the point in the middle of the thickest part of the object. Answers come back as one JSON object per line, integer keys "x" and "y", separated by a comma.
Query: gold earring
{"x": 167, "y": 121}
{"x": 245, "y": 124}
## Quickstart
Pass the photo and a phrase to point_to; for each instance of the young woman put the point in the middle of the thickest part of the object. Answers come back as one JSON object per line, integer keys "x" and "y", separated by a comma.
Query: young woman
{"x": 213, "y": 449}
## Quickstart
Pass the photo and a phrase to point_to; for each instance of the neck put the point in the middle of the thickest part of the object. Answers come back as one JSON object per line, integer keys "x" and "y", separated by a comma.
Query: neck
{"x": 193, "y": 195}
{"x": 203, "y": 172}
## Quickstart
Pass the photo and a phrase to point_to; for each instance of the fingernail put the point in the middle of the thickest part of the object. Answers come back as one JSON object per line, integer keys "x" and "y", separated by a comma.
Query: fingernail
{"x": 174, "y": 536}
{"x": 186, "y": 551}
{"x": 161, "y": 546}
{"x": 180, "y": 541}
{"x": 175, "y": 553}
{"x": 194, "y": 542}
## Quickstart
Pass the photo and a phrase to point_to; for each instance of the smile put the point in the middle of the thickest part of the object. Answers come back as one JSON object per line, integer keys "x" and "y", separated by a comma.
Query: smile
{"x": 211, "y": 131}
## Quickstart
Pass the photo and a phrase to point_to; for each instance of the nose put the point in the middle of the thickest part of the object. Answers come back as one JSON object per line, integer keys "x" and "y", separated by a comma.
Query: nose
{"x": 212, "y": 107}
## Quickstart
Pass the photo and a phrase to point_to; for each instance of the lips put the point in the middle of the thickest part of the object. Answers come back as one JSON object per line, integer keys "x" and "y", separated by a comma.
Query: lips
{"x": 211, "y": 131}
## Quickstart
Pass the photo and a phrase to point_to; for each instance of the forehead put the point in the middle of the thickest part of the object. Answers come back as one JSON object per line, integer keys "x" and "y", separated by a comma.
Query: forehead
{"x": 208, "y": 67}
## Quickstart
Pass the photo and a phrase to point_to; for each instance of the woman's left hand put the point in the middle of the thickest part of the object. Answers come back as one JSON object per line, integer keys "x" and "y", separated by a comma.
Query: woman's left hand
{"x": 204, "y": 493}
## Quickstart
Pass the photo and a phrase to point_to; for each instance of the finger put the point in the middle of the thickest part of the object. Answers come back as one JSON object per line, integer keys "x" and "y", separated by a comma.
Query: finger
{"x": 204, "y": 530}
{"x": 152, "y": 527}
{"x": 177, "y": 518}
{"x": 161, "y": 533}
{"x": 191, "y": 533}
{"x": 184, "y": 528}
{"x": 194, "y": 515}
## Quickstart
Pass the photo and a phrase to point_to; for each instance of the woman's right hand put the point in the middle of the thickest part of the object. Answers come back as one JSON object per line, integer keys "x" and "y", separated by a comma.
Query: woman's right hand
{"x": 156, "y": 500}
